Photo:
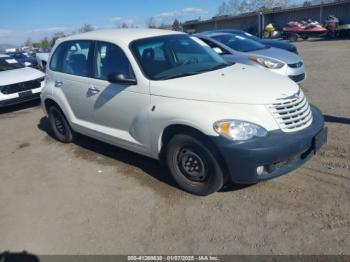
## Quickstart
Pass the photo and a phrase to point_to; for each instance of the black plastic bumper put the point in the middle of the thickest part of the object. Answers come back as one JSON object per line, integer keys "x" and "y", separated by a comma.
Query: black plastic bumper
{"x": 278, "y": 152}
{"x": 19, "y": 100}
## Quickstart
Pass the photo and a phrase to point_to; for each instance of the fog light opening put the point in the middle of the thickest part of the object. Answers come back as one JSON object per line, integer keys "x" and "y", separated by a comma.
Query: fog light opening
{"x": 260, "y": 170}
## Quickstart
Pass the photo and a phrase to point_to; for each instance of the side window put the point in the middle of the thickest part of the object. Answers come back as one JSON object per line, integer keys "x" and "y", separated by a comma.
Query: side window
{"x": 109, "y": 59}
{"x": 75, "y": 58}
{"x": 55, "y": 59}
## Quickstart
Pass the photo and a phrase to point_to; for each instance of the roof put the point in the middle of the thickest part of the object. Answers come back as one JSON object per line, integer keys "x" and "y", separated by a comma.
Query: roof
{"x": 212, "y": 34}
{"x": 125, "y": 35}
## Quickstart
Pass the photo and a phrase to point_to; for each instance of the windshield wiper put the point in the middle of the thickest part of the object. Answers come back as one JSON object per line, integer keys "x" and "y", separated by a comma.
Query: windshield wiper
{"x": 180, "y": 75}
{"x": 216, "y": 67}
{"x": 197, "y": 72}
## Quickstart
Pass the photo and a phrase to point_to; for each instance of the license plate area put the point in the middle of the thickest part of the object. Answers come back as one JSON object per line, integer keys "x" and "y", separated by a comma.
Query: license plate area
{"x": 320, "y": 139}
{"x": 25, "y": 93}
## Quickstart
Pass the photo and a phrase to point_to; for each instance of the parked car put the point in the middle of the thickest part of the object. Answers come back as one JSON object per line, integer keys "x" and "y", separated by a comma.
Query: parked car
{"x": 168, "y": 96}
{"x": 24, "y": 59}
{"x": 275, "y": 59}
{"x": 42, "y": 59}
{"x": 18, "y": 83}
{"x": 268, "y": 42}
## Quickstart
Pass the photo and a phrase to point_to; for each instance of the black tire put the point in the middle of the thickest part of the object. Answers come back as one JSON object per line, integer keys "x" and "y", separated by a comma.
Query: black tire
{"x": 305, "y": 37}
{"x": 293, "y": 37}
{"x": 193, "y": 165}
{"x": 60, "y": 126}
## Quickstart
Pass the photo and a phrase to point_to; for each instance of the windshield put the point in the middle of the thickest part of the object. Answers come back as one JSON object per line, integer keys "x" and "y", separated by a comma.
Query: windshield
{"x": 250, "y": 36}
{"x": 239, "y": 43}
{"x": 173, "y": 56}
{"x": 7, "y": 63}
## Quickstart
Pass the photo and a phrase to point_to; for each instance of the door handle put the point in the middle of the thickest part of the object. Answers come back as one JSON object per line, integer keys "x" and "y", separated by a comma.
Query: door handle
{"x": 58, "y": 83}
{"x": 93, "y": 90}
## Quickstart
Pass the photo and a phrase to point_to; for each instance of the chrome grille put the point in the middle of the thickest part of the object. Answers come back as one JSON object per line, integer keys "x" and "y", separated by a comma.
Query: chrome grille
{"x": 292, "y": 114}
{"x": 20, "y": 87}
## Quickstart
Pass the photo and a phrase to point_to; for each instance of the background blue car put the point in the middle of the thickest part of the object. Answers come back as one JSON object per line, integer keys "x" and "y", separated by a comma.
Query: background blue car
{"x": 268, "y": 42}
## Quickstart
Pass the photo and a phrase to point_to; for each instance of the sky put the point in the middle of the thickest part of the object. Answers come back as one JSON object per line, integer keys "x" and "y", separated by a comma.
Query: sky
{"x": 36, "y": 19}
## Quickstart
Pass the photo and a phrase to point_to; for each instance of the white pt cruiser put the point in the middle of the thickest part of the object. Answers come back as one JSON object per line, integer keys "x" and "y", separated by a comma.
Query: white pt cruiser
{"x": 168, "y": 96}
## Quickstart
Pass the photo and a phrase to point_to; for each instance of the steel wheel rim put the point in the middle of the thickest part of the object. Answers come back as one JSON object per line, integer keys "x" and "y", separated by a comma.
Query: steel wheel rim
{"x": 192, "y": 164}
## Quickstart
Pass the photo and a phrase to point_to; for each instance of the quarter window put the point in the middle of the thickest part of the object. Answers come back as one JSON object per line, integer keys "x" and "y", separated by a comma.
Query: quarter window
{"x": 109, "y": 59}
{"x": 75, "y": 58}
{"x": 55, "y": 61}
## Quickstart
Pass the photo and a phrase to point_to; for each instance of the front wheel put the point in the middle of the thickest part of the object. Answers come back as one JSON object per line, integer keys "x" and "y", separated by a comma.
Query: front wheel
{"x": 60, "y": 126}
{"x": 193, "y": 165}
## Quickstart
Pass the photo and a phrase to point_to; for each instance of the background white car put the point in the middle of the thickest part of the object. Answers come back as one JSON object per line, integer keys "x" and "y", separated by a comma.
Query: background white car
{"x": 18, "y": 83}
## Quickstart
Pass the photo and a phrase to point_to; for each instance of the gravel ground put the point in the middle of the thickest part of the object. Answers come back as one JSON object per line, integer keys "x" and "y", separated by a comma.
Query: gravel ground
{"x": 92, "y": 198}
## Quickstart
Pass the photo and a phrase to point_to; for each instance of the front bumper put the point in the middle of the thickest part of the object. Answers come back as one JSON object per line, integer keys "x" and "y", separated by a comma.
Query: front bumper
{"x": 278, "y": 152}
{"x": 19, "y": 100}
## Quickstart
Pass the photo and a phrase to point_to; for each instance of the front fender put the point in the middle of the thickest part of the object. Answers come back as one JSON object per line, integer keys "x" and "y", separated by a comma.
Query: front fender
{"x": 200, "y": 115}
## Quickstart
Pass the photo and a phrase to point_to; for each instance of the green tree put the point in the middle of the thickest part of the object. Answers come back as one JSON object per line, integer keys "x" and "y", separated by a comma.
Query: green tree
{"x": 44, "y": 43}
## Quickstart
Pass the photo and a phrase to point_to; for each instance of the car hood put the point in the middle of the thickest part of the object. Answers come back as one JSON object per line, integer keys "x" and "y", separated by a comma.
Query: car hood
{"x": 277, "y": 54}
{"x": 278, "y": 44}
{"x": 19, "y": 75}
{"x": 239, "y": 84}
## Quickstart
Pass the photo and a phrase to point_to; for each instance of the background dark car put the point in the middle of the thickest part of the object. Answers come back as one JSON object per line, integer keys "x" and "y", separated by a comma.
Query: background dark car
{"x": 269, "y": 42}
{"x": 24, "y": 59}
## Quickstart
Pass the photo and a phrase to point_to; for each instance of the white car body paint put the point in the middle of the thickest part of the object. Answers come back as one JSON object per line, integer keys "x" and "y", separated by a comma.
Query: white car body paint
{"x": 136, "y": 117}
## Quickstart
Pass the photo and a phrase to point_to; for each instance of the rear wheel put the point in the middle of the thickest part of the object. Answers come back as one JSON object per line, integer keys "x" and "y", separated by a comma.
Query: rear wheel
{"x": 193, "y": 165}
{"x": 305, "y": 37}
{"x": 59, "y": 125}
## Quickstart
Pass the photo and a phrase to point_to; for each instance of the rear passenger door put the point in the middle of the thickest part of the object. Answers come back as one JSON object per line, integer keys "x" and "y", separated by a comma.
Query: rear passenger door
{"x": 72, "y": 79}
{"x": 117, "y": 108}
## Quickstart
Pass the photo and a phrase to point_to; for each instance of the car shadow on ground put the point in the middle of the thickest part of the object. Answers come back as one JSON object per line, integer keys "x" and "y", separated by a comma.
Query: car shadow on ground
{"x": 325, "y": 39}
{"x": 22, "y": 106}
{"x": 336, "y": 119}
{"x": 150, "y": 166}
{"x": 18, "y": 257}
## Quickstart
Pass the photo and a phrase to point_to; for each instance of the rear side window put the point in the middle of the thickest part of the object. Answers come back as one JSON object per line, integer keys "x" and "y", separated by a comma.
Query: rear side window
{"x": 110, "y": 59}
{"x": 75, "y": 59}
{"x": 55, "y": 59}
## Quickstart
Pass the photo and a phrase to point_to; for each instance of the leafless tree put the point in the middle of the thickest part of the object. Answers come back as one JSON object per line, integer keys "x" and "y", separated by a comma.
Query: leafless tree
{"x": 177, "y": 25}
{"x": 86, "y": 28}
{"x": 151, "y": 23}
{"x": 55, "y": 37}
{"x": 28, "y": 42}
{"x": 235, "y": 7}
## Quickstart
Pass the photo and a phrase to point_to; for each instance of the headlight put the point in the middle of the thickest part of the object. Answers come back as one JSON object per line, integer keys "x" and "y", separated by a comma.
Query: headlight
{"x": 269, "y": 63}
{"x": 238, "y": 130}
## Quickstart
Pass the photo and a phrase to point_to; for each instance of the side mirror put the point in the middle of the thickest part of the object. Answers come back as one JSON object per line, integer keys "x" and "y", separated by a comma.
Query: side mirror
{"x": 218, "y": 50}
{"x": 118, "y": 78}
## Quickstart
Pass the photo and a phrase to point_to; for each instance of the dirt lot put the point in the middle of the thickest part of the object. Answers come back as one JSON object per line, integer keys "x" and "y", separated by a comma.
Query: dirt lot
{"x": 92, "y": 198}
